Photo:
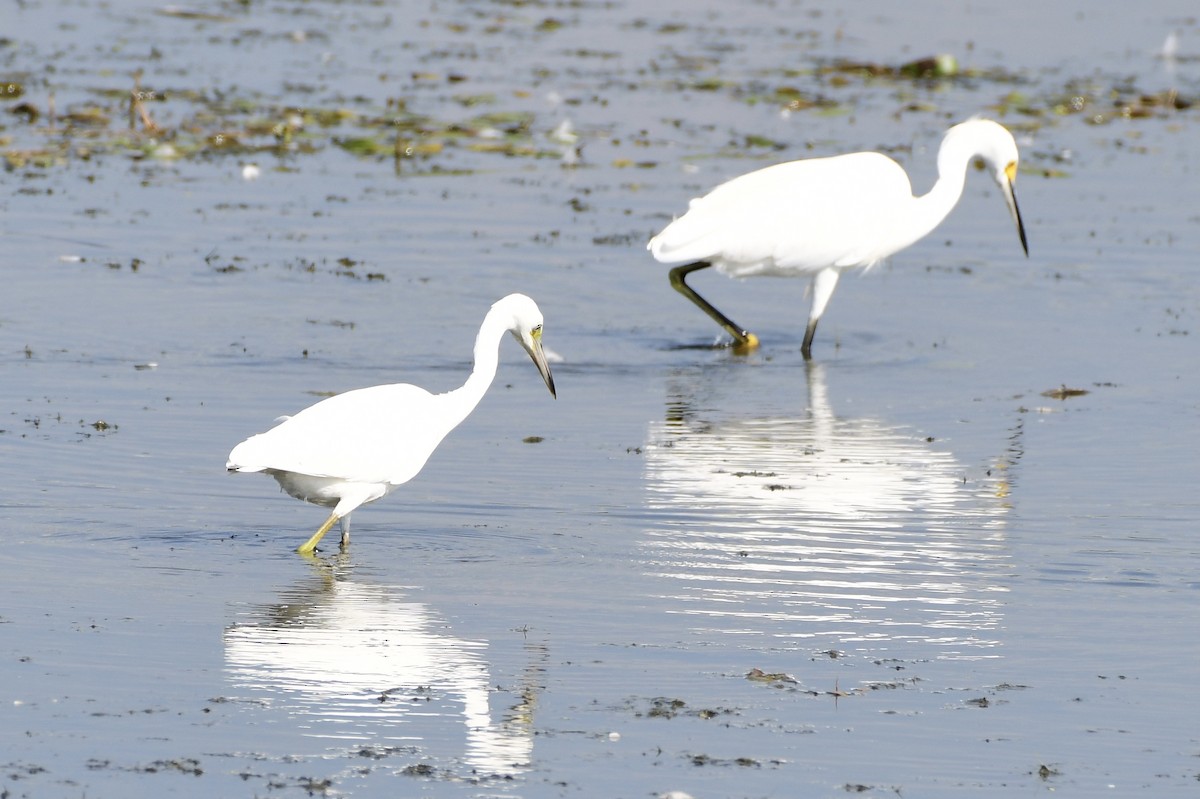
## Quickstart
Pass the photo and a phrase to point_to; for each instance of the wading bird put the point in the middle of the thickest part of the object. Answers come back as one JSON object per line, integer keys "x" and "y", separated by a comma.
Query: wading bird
{"x": 820, "y": 216}
{"x": 357, "y": 447}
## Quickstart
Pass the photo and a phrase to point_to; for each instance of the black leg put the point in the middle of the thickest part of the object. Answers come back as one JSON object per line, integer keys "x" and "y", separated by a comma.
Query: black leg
{"x": 809, "y": 332}
{"x": 742, "y": 338}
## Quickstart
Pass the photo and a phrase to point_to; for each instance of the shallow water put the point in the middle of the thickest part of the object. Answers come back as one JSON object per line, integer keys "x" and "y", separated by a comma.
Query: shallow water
{"x": 949, "y": 581}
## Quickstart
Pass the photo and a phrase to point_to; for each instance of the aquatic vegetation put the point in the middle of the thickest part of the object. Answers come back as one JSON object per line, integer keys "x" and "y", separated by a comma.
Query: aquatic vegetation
{"x": 166, "y": 118}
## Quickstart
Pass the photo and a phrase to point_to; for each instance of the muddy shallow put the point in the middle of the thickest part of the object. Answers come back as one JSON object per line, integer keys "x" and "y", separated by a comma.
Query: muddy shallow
{"x": 950, "y": 575}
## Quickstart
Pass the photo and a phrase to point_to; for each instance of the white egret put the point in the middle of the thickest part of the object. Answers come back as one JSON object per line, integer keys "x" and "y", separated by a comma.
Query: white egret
{"x": 820, "y": 216}
{"x": 357, "y": 447}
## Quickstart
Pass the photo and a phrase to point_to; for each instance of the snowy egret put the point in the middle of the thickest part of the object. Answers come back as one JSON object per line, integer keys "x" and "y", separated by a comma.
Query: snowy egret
{"x": 356, "y": 447}
{"x": 820, "y": 216}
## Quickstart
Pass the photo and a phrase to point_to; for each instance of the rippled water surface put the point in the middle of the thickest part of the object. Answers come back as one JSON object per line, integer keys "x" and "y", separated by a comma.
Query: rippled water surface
{"x": 912, "y": 567}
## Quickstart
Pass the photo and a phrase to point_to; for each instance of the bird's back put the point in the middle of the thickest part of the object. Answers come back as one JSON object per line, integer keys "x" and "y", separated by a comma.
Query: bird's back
{"x": 791, "y": 218}
{"x": 382, "y": 434}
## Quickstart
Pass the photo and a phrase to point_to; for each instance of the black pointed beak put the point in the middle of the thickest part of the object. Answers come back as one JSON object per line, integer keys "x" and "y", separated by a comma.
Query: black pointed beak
{"x": 1010, "y": 198}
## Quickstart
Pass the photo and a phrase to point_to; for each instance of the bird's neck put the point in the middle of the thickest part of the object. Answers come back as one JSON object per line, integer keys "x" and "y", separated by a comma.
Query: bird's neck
{"x": 487, "y": 359}
{"x": 930, "y": 209}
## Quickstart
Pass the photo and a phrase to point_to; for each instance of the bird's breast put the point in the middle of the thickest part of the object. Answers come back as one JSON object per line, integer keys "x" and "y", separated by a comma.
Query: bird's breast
{"x": 326, "y": 491}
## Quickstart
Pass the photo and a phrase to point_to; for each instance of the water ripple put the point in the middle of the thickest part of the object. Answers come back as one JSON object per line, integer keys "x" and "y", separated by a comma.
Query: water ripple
{"x": 809, "y": 527}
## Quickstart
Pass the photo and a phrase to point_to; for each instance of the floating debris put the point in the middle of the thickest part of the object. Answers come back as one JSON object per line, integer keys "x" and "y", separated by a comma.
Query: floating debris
{"x": 943, "y": 65}
{"x": 1045, "y": 772}
{"x": 665, "y": 708}
{"x": 708, "y": 760}
{"x": 564, "y": 133}
{"x": 758, "y": 675}
{"x": 1062, "y": 392}
{"x": 192, "y": 13}
{"x": 186, "y": 765}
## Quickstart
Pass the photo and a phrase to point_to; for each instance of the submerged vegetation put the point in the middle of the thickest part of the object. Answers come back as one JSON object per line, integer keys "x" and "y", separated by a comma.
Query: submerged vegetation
{"x": 162, "y": 114}
{"x": 185, "y": 123}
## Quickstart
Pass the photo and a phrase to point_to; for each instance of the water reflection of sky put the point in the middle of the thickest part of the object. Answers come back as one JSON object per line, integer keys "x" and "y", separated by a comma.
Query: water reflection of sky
{"x": 359, "y": 663}
{"x": 844, "y": 532}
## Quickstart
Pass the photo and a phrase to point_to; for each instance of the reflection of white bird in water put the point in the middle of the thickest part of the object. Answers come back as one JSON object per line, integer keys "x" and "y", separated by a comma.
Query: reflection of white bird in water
{"x": 344, "y": 658}
{"x": 817, "y": 526}
{"x": 356, "y": 447}
{"x": 819, "y": 216}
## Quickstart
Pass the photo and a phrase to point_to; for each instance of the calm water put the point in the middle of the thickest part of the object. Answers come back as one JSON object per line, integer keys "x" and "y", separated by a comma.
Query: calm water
{"x": 953, "y": 583}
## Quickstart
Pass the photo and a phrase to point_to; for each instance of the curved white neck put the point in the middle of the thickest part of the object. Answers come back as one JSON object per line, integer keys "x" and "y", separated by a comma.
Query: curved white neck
{"x": 487, "y": 359}
{"x": 930, "y": 209}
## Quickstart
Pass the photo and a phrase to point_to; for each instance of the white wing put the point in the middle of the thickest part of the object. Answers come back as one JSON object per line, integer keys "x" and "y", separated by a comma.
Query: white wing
{"x": 382, "y": 434}
{"x": 799, "y": 216}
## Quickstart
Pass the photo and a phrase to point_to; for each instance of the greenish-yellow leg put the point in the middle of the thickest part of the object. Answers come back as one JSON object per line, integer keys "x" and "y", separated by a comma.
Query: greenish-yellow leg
{"x": 308, "y": 546}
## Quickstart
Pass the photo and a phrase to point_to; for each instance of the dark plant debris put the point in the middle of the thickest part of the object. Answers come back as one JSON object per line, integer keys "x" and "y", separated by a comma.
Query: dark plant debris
{"x": 666, "y": 708}
{"x": 1062, "y": 392}
{"x": 777, "y": 679}
{"x": 743, "y": 762}
{"x": 1045, "y": 772}
{"x": 154, "y": 121}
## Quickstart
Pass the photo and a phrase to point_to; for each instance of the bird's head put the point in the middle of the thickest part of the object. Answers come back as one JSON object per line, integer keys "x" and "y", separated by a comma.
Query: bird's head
{"x": 992, "y": 142}
{"x": 525, "y": 323}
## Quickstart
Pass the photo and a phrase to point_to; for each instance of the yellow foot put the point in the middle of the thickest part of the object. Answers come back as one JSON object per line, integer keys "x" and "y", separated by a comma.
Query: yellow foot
{"x": 749, "y": 345}
{"x": 308, "y": 546}
{"x": 311, "y": 556}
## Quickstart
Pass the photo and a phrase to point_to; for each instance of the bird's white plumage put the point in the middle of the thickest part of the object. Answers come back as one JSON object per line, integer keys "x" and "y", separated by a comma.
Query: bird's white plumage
{"x": 772, "y": 222}
{"x": 819, "y": 216}
{"x": 327, "y": 439}
{"x": 356, "y": 447}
